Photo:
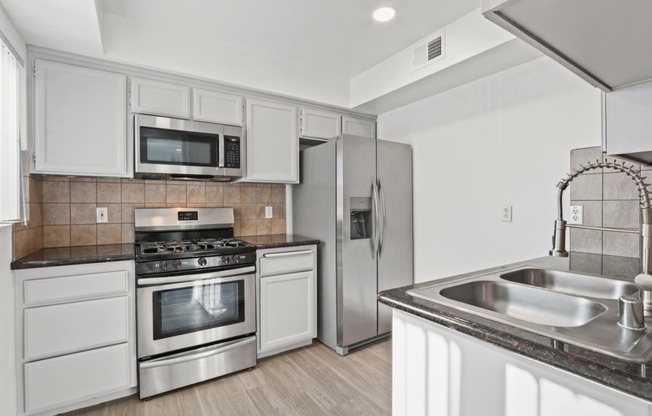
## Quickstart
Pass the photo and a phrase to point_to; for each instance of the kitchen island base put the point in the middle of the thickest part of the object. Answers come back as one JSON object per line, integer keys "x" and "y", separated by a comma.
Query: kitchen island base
{"x": 440, "y": 371}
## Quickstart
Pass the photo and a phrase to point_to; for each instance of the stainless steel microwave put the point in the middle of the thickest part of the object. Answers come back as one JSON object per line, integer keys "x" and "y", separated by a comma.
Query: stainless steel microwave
{"x": 183, "y": 149}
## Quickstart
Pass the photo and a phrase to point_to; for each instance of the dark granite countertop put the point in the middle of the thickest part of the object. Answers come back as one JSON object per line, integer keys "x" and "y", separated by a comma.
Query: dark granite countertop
{"x": 632, "y": 378}
{"x": 63, "y": 256}
{"x": 279, "y": 240}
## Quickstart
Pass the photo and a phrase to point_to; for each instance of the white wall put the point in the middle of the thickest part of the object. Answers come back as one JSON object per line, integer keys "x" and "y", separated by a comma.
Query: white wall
{"x": 500, "y": 140}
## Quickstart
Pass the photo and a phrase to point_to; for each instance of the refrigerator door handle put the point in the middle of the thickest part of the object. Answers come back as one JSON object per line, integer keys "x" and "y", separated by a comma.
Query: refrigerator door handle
{"x": 374, "y": 209}
{"x": 381, "y": 233}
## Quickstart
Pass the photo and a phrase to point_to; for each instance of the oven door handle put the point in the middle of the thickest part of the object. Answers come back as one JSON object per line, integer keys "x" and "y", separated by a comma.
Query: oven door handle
{"x": 144, "y": 281}
{"x": 287, "y": 254}
{"x": 215, "y": 350}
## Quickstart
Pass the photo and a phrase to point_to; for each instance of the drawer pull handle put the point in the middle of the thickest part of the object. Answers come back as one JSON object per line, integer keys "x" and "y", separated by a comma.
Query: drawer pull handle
{"x": 287, "y": 254}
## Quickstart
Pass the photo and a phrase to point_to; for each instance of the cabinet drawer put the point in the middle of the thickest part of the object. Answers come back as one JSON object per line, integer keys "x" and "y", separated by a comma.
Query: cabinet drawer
{"x": 287, "y": 262}
{"x": 59, "y": 329}
{"x": 62, "y": 380}
{"x": 75, "y": 287}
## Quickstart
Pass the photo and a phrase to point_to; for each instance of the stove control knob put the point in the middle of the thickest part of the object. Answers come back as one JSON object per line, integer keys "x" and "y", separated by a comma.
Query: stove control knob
{"x": 226, "y": 259}
{"x": 202, "y": 261}
{"x": 163, "y": 265}
{"x": 176, "y": 264}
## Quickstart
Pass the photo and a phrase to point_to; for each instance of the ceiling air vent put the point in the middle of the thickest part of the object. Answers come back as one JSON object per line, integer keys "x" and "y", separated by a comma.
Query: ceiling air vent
{"x": 429, "y": 52}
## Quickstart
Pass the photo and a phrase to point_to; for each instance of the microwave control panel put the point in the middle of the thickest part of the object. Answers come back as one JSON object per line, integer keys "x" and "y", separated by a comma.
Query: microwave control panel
{"x": 232, "y": 152}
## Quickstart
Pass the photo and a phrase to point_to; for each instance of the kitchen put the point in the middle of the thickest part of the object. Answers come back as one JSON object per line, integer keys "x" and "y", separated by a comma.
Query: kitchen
{"x": 495, "y": 130}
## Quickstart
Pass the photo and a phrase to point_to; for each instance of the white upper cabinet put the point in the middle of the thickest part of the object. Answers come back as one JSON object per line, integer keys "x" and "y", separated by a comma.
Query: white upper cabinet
{"x": 217, "y": 107}
{"x": 160, "y": 98}
{"x": 627, "y": 123}
{"x": 80, "y": 121}
{"x": 320, "y": 124}
{"x": 358, "y": 127}
{"x": 272, "y": 142}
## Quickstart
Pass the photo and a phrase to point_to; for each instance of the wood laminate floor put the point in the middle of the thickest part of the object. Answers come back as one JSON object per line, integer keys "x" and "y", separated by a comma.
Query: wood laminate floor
{"x": 312, "y": 380}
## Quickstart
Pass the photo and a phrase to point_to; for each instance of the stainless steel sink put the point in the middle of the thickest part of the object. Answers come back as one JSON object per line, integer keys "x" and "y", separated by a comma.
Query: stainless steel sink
{"x": 526, "y": 303}
{"x": 572, "y": 283}
{"x": 573, "y": 308}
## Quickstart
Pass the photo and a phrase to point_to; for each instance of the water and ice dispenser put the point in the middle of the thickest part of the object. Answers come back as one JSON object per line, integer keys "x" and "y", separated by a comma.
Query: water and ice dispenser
{"x": 361, "y": 218}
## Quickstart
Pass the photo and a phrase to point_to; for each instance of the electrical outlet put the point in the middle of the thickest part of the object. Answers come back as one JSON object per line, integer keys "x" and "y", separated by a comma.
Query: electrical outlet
{"x": 576, "y": 215}
{"x": 269, "y": 212}
{"x": 102, "y": 215}
{"x": 507, "y": 213}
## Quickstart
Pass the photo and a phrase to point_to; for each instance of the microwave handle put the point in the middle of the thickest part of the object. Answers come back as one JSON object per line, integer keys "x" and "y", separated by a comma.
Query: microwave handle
{"x": 220, "y": 150}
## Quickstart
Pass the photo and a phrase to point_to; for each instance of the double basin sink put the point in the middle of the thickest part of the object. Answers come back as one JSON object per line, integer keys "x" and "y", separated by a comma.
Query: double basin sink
{"x": 573, "y": 308}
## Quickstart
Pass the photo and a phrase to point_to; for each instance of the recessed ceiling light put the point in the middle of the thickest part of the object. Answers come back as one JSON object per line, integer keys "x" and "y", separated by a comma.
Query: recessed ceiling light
{"x": 384, "y": 14}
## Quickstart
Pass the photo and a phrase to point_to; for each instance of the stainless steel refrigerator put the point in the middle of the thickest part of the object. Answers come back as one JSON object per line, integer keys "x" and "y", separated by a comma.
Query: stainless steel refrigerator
{"x": 355, "y": 196}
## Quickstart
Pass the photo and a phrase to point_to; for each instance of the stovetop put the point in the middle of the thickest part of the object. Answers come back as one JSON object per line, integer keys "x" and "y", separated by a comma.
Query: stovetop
{"x": 191, "y": 248}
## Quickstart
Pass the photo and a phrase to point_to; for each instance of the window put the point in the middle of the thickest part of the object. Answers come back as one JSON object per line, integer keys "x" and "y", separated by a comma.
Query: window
{"x": 10, "y": 175}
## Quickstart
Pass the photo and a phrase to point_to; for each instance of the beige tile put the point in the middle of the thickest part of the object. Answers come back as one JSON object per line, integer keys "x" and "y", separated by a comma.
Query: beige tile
{"x": 127, "y": 233}
{"x": 214, "y": 195}
{"x": 133, "y": 193}
{"x": 278, "y": 194}
{"x": 231, "y": 194}
{"x": 196, "y": 194}
{"x": 21, "y": 244}
{"x": 82, "y": 213}
{"x": 35, "y": 239}
{"x": 247, "y": 227}
{"x": 35, "y": 191}
{"x": 83, "y": 192}
{"x": 56, "y": 191}
{"x": 83, "y": 235}
{"x": 248, "y": 194}
{"x": 248, "y": 211}
{"x": 114, "y": 212}
{"x": 56, "y": 178}
{"x": 35, "y": 215}
{"x": 109, "y": 180}
{"x": 263, "y": 227}
{"x": 56, "y": 236}
{"x": 82, "y": 179}
{"x": 278, "y": 226}
{"x": 176, "y": 205}
{"x": 176, "y": 194}
{"x": 154, "y": 192}
{"x": 237, "y": 228}
{"x": 133, "y": 181}
{"x": 264, "y": 193}
{"x": 108, "y": 192}
{"x": 56, "y": 214}
{"x": 109, "y": 233}
{"x": 279, "y": 211}
{"x": 128, "y": 212}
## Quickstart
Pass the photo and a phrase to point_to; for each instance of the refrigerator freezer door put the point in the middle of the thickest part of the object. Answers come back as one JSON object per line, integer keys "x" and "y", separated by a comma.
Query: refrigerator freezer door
{"x": 356, "y": 268}
{"x": 395, "y": 264}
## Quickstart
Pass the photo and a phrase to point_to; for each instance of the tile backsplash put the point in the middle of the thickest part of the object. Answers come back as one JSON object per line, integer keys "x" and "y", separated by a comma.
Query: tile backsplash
{"x": 609, "y": 199}
{"x": 63, "y": 209}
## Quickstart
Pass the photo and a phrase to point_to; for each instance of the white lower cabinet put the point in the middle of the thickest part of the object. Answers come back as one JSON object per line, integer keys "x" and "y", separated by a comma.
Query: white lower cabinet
{"x": 437, "y": 371}
{"x": 76, "y": 333}
{"x": 287, "y": 295}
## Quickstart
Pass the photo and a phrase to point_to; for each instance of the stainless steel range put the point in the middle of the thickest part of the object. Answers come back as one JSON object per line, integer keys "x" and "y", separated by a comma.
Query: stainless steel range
{"x": 195, "y": 297}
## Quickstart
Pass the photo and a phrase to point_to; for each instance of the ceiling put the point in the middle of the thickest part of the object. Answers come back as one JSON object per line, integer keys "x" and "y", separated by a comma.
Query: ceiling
{"x": 305, "y": 48}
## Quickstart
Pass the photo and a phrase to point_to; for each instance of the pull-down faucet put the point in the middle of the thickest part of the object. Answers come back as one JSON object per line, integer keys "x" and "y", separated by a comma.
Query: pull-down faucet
{"x": 644, "y": 279}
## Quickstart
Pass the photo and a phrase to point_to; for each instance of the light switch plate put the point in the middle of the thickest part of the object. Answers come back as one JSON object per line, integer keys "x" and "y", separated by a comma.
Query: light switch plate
{"x": 269, "y": 212}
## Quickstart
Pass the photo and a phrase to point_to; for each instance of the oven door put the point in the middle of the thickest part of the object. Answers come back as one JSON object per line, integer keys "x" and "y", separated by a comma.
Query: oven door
{"x": 182, "y": 311}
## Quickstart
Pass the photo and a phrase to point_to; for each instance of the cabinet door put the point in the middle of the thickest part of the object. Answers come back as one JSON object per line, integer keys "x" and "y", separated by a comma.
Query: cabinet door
{"x": 628, "y": 123}
{"x": 359, "y": 127}
{"x": 287, "y": 310}
{"x": 217, "y": 107}
{"x": 160, "y": 98}
{"x": 76, "y": 377}
{"x": 320, "y": 124}
{"x": 272, "y": 142}
{"x": 80, "y": 121}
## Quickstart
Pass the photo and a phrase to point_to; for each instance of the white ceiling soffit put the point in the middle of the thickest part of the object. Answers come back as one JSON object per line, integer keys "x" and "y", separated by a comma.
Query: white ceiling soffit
{"x": 70, "y": 25}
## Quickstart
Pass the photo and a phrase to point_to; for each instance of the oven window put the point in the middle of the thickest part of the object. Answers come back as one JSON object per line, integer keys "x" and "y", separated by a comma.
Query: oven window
{"x": 202, "y": 306}
{"x": 172, "y": 147}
